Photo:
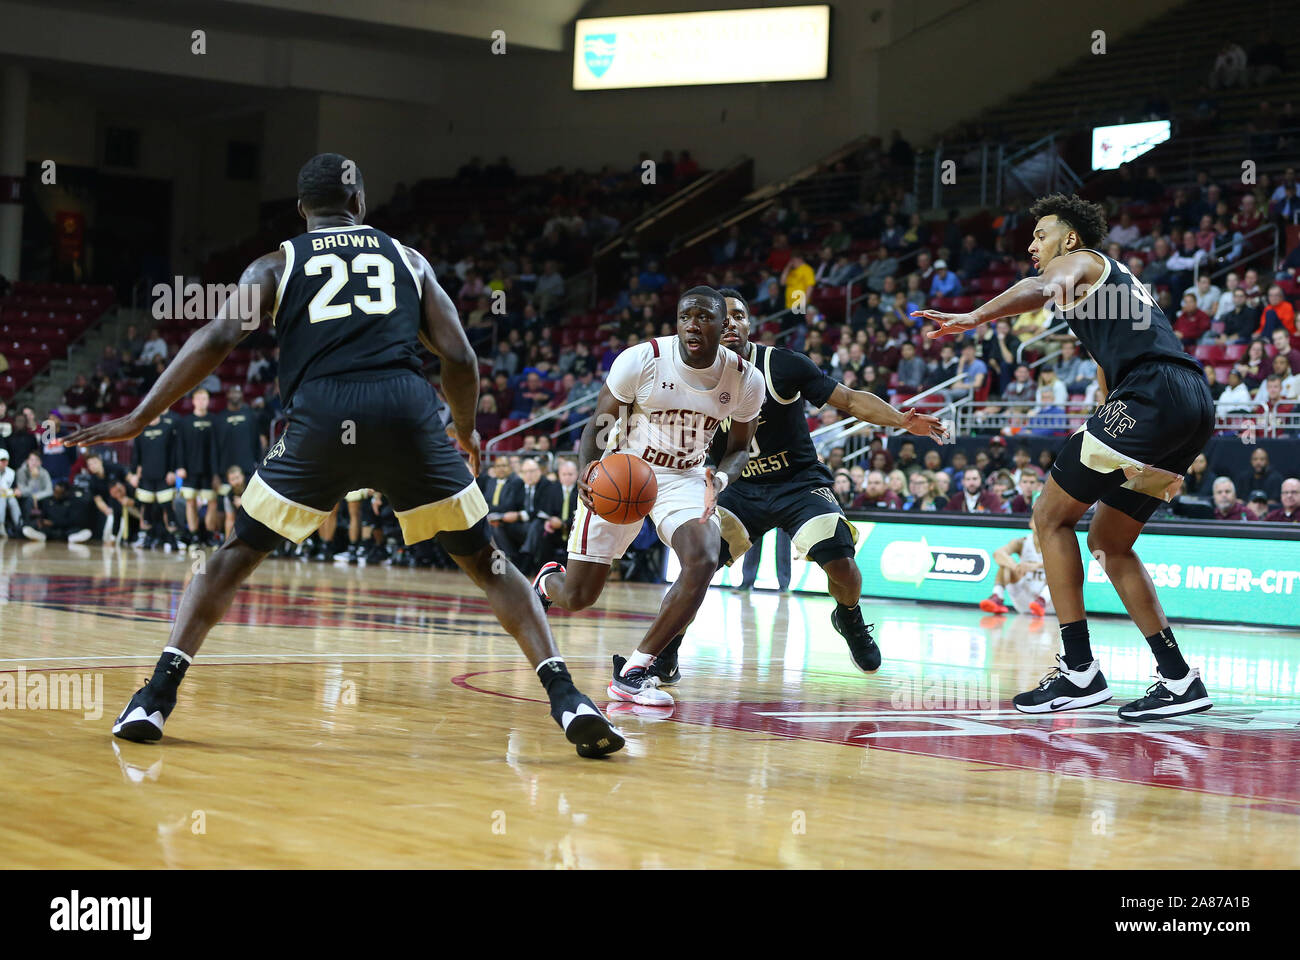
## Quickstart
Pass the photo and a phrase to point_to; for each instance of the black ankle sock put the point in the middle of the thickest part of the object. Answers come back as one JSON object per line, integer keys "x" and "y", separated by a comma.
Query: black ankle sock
{"x": 1078, "y": 650}
{"x": 1168, "y": 657}
{"x": 169, "y": 672}
{"x": 554, "y": 675}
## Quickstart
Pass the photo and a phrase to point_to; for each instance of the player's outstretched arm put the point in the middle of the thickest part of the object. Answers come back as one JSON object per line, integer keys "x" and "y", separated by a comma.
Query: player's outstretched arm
{"x": 867, "y": 406}
{"x": 202, "y": 353}
{"x": 1061, "y": 281}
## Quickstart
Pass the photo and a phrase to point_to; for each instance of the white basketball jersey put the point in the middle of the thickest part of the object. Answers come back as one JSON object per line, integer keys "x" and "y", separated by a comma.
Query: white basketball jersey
{"x": 671, "y": 422}
{"x": 1029, "y": 553}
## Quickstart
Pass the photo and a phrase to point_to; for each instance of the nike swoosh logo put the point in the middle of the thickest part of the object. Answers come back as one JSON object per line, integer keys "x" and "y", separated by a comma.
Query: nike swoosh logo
{"x": 1057, "y": 704}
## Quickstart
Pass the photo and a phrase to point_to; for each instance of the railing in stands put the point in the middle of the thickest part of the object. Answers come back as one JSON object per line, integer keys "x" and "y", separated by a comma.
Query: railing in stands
{"x": 838, "y": 431}
{"x": 984, "y": 172}
{"x": 1060, "y": 328}
{"x": 546, "y": 415}
{"x": 1231, "y": 265}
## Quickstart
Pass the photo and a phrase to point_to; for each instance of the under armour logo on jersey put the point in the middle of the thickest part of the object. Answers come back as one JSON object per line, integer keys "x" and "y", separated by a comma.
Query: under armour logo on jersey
{"x": 667, "y": 386}
{"x": 725, "y": 398}
{"x": 1117, "y": 420}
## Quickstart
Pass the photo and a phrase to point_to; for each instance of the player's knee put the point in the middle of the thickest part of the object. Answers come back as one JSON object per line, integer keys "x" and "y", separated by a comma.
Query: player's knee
{"x": 698, "y": 570}
{"x": 1103, "y": 541}
{"x": 1047, "y": 517}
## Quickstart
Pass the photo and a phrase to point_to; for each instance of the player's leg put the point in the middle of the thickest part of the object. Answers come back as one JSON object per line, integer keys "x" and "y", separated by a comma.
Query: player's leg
{"x": 996, "y": 601}
{"x": 433, "y": 494}
{"x": 1111, "y": 537}
{"x": 325, "y": 550}
{"x": 696, "y": 545}
{"x": 744, "y": 516}
{"x": 354, "y": 501}
{"x": 594, "y": 544}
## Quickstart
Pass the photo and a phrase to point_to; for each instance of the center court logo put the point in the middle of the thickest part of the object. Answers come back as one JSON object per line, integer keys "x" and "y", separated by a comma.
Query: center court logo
{"x": 912, "y": 561}
{"x": 76, "y": 913}
{"x": 598, "y": 52}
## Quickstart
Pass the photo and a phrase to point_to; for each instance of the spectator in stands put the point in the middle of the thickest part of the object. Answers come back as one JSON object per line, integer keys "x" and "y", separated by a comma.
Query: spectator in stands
{"x": 972, "y": 497}
{"x": 972, "y": 371}
{"x": 876, "y": 494}
{"x": 957, "y": 466}
{"x": 1075, "y": 371}
{"x": 1184, "y": 263}
{"x": 842, "y": 488}
{"x": 154, "y": 348}
{"x": 1207, "y": 295}
{"x": 1247, "y": 217}
{"x": 1289, "y": 511}
{"x": 798, "y": 278}
{"x": 1261, "y": 475}
{"x": 1226, "y": 504}
{"x": 1257, "y": 505}
{"x": 1230, "y": 67}
{"x": 923, "y": 493}
{"x": 896, "y": 480}
{"x": 33, "y": 485}
{"x": 944, "y": 283}
{"x": 911, "y": 368}
{"x": 1212, "y": 378}
{"x": 1049, "y": 415}
{"x": 1235, "y": 397}
{"x": 1254, "y": 366}
{"x": 971, "y": 260}
{"x": 549, "y": 291}
{"x": 1285, "y": 211}
{"x": 1028, "y": 487}
{"x": 505, "y": 360}
{"x": 1226, "y": 299}
{"x": 1192, "y": 322}
{"x": 1241, "y": 322}
{"x": 21, "y": 441}
{"x": 1278, "y": 314}
{"x": 104, "y": 396}
{"x": 63, "y": 517}
{"x": 882, "y": 267}
{"x": 1125, "y": 233}
{"x": 487, "y": 421}
{"x": 78, "y": 397}
{"x": 1254, "y": 292}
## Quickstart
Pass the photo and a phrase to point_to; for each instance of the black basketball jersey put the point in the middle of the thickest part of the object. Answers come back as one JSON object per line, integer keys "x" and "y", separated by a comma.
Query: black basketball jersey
{"x": 154, "y": 450}
{"x": 194, "y": 448}
{"x": 782, "y": 450}
{"x": 237, "y": 440}
{"x": 348, "y": 303}
{"x": 1121, "y": 325}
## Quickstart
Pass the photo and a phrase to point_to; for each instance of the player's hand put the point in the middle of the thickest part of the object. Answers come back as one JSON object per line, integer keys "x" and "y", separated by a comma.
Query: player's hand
{"x": 710, "y": 495}
{"x": 584, "y": 485}
{"x": 470, "y": 443}
{"x": 948, "y": 322}
{"x": 110, "y": 431}
{"x": 924, "y": 425}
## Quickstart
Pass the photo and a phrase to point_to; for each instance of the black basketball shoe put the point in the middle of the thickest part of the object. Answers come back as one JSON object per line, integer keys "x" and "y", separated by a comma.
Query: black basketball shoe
{"x": 143, "y": 718}
{"x": 636, "y": 686}
{"x": 585, "y": 726}
{"x": 1065, "y": 689}
{"x": 665, "y": 668}
{"x": 1169, "y": 698}
{"x": 862, "y": 648}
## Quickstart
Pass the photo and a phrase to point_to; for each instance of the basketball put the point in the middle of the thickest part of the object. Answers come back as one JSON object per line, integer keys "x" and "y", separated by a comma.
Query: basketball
{"x": 623, "y": 488}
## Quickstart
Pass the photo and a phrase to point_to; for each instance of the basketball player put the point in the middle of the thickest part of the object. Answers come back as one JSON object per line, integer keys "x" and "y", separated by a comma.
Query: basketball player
{"x": 153, "y": 455}
{"x": 1127, "y": 458}
{"x": 1022, "y": 581}
{"x": 785, "y": 485}
{"x": 197, "y": 467}
{"x": 665, "y": 397}
{"x": 350, "y": 307}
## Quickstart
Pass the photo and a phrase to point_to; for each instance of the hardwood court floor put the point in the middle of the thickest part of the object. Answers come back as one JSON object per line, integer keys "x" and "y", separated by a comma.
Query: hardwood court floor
{"x": 380, "y": 718}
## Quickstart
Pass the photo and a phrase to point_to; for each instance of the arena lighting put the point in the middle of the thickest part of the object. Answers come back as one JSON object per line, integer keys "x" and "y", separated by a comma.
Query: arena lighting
{"x": 1112, "y": 146}
{"x": 664, "y": 50}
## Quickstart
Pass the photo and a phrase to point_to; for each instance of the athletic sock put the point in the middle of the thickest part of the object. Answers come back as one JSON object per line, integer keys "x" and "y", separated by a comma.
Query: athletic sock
{"x": 555, "y": 678}
{"x": 1078, "y": 650}
{"x": 840, "y": 608}
{"x": 1169, "y": 658}
{"x": 638, "y": 659}
{"x": 170, "y": 671}
{"x": 999, "y": 591}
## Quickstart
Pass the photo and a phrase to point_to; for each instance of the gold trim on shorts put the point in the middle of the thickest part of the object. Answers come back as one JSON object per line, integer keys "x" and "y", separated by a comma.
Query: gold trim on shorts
{"x": 153, "y": 496}
{"x": 206, "y": 495}
{"x": 293, "y": 521}
{"x": 459, "y": 512}
{"x": 734, "y": 532}
{"x": 356, "y": 496}
{"x": 1140, "y": 477}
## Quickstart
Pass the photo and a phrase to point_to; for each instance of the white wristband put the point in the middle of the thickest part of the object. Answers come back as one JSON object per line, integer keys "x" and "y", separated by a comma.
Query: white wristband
{"x": 720, "y": 479}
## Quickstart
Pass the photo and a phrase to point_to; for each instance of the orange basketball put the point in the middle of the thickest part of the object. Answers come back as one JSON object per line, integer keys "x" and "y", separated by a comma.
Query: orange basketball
{"x": 623, "y": 488}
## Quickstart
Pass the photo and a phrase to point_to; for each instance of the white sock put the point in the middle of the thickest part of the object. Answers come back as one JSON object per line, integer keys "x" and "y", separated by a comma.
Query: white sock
{"x": 638, "y": 659}
{"x": 559, "y": 660}
{"x": 998, "y": 590}
{"x": 179, "y": 653}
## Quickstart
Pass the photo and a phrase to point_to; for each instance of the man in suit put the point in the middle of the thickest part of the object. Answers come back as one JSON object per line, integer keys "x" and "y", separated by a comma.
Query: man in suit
{"x": 520, "y": 525}
{"x": 973, "y": 498}
{"x": 557, "y": 502}
{"x": 500, "y": 489}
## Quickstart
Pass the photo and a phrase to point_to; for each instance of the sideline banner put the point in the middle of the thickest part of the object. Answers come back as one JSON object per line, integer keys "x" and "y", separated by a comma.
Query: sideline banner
{"x": 1231, "y": 579}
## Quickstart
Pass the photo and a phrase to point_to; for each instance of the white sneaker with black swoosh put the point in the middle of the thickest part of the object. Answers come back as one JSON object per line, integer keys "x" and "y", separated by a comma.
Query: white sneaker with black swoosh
{"x": 1065, "y": 689}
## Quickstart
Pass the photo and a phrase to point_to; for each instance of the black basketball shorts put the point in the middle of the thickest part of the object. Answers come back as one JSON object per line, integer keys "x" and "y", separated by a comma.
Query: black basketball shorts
{"x": 383, "y": 433}
{"x": 154, "y": 490}
{"x": 806, "y": 510}
{"x": 1132, "y": 453}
